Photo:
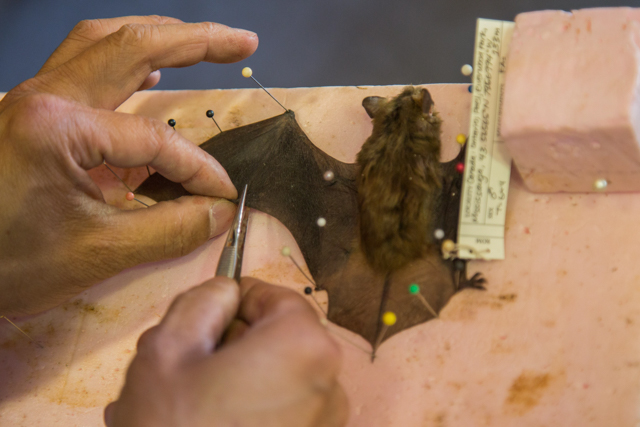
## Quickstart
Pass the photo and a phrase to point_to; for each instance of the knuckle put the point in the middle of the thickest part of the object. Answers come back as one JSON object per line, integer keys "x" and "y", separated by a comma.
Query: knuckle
{"x": 132, "y": 36}
{"x": 153, "y": 345}
{"x": 148, "y": 341}
{"x": 213, "y": 27}
{"x": 31, "y": 113}
{"x": 89, "y": 29}
{"x": 34, "y": 103}
{"x": 189, "y": 298}
{"x": 161, "y": 135}
{"x": 200, "y": 299}
{"x": 165, "y": 134}
{"x": 161, "y": 20}
{"x": 284, "y": 301}
{"x": 177, "y": 243}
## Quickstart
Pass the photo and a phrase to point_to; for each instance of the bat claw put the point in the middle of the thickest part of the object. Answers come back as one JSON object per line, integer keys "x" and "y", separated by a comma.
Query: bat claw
{"x": 475, "y": 282}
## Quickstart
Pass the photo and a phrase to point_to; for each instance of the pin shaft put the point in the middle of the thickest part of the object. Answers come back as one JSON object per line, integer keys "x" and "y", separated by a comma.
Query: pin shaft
{"x": 116, "y": 175}
{"x": 214, "y": 121}
{"x": 426, "y": 304}
{"x": 339, "y": 335}
{"x": 318, "y": 304}
{"x": 140, "y": 201}
{"x": 263, "y": 88}
{"x": 22, "y": 332}
{"x": 383, "y": 332}
{"x": 301, "y": 270}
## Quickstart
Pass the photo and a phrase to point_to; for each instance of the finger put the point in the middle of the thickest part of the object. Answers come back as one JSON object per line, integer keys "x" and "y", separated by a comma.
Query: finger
{"x": 165, "y": 230}
{"x": 284, "y": 324}
{"x": 151, "y": 80}
{"x": 107, "y": 73}
{"x": 87, "y": 33}
{"x": 127, "y": 140}
{"x": 263, "y": 302}
{"x": 234, "y": 332}
{"x": 194, "y": 323}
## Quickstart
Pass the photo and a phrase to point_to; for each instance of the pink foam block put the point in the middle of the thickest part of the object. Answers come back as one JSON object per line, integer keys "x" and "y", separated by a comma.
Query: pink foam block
{"x": 571, "y": 112}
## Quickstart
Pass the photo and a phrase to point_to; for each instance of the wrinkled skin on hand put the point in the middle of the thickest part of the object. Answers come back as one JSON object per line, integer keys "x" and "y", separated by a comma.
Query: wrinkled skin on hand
{"x": 57, "y": 235}
{"x": 277, "y": 366}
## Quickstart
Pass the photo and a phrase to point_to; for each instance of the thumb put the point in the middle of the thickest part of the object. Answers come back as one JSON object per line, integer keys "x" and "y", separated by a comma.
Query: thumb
{"x": 168, "y": 229}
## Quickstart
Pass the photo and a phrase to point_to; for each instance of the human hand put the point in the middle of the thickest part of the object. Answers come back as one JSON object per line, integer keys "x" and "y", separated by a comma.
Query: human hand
{"x": 280, "y": 371}
{"x": 57, "y": 236}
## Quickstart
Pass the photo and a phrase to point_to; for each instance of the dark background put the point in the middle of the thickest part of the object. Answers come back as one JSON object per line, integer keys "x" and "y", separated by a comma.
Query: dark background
{"x": 302, "y": 43}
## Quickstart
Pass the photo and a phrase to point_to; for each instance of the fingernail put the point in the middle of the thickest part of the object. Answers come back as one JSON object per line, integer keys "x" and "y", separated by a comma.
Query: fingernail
{"x": 220, "y": 217}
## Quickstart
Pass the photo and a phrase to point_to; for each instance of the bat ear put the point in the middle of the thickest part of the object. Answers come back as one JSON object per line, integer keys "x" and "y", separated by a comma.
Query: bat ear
{"x": 427, "y": 102}
{"x": 373, "y": 104}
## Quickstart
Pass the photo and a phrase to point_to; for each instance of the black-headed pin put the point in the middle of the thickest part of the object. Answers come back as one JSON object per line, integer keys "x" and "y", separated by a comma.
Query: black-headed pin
{"x": 210, "y": 115}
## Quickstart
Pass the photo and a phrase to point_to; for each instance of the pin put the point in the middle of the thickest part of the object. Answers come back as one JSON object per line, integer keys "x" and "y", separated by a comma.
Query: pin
{"x": 286, "y": 251}
{"x": 22, "y": 332}
{"x": 450, "y": 249}
{"x": 438, "y": 234}
{"x": 460, "y": 167}
{"x": 461, "y": 138}
{"x": 325, "y": 323}
{"x": 328, "y": 176}
{"x": 172, "y": 123}
{"x": 210, "y": 115}
{"x": 414, "y": 289}
{"x": 321, "y": 222}
{"x": 448, "y": 246}
{"x": 470, "y": 88}
{"x": 309, "y": 291}
{"x": 148, "y": 171}
{"x": 323, "y": 320}
{"x": 116, "y": 175}
{"x": 247, "y": 72}
{"x": 600, "y": 184}
{"x": 466, "y": 70}
{"x": 388, "y": 319}
{"x": 129, "y": 196}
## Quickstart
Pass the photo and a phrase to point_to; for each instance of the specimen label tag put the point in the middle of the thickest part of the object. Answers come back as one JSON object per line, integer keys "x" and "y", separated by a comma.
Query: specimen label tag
{"x": 488, "y": 164}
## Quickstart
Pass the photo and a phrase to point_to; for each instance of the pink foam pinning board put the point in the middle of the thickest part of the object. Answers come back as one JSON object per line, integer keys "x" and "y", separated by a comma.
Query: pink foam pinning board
{"x": 571, "y": 117}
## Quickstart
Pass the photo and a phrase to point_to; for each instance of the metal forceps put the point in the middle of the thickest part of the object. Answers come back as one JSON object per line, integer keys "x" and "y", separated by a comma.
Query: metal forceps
{"x": 230, "y": 264}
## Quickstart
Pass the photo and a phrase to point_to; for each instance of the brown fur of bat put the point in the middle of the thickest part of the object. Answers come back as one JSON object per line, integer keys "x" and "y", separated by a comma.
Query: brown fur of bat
{"x": 399, "y": 179}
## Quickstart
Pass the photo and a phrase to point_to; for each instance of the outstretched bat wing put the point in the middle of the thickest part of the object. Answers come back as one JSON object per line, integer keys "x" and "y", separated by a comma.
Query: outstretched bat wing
{"x": 285, "y": 175}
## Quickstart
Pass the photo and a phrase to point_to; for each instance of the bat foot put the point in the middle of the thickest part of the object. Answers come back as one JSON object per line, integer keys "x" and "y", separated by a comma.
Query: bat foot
{"x": 475, "y": 282}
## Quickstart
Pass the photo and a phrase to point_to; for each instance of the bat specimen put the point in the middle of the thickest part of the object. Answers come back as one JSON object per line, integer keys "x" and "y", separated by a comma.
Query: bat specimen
{"x": 399, "y": 179}
{"x": 286, "y": 174}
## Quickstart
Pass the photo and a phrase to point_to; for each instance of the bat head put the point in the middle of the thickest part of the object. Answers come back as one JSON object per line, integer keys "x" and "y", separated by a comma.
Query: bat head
{"x": 412, "y": 101}
{"x": 412, "y": 109}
